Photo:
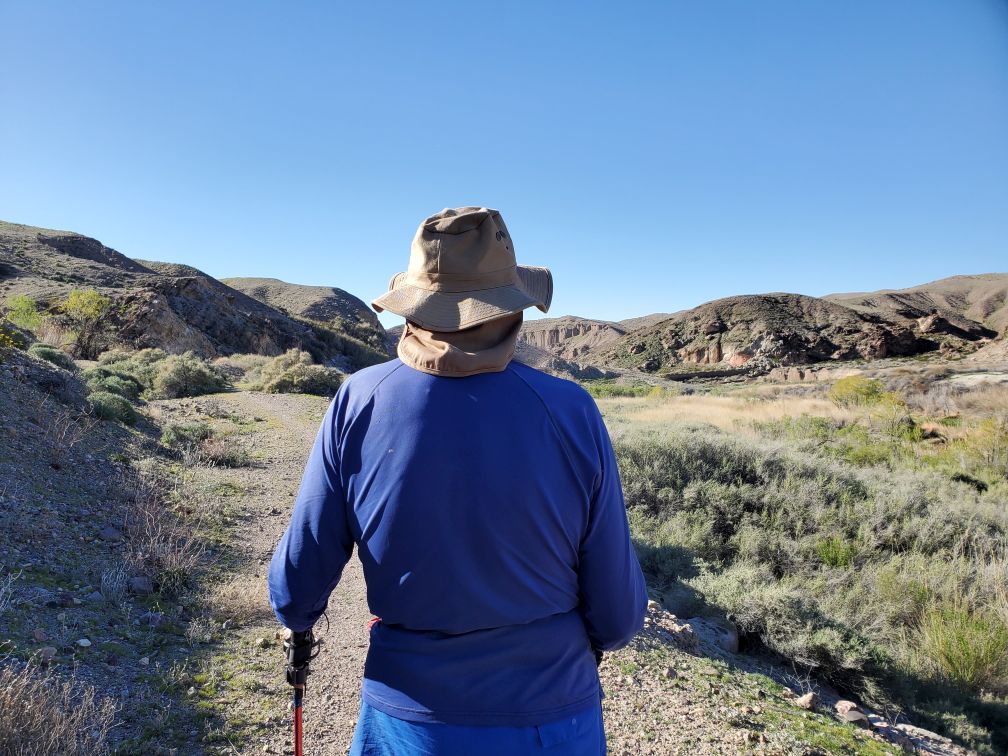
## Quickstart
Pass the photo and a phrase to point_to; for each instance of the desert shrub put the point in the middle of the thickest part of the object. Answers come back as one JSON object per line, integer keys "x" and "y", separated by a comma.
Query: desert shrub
{"x": 55, "y": 356}
{"x": 24, "y": 313}
{"x": 85, "y": 305}
{"x": 186, "y": 375}
{"x": 109, "y": 406}
{"x": 964, "y": 644}
{"x": 224, "y": 452}
{"x": 835, "y": 551}
{"x": 829, "y": 565}
{"x": 84, "y": 311}
{"x": 294, "y": 372}
{"x": 609, "y": 390}
{"x": 102, "y": 378}
{"x": 243, "y": 369}
{"x": 183, "y": 436}
{"x": 40, "y": 713}
{"x": 10, "y": 339}
{"x": 142, "y": 365}
{"x": 160, "y": 542}
{"x": 856, "y": 390}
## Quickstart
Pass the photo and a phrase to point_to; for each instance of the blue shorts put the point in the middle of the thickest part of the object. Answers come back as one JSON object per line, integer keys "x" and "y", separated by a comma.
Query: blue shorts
{"x": 379, "y": 734}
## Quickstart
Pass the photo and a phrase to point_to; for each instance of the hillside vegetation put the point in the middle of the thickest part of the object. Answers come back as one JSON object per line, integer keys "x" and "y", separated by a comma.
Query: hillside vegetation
{"x": 166, "y": 306}
{"x": 858, "y": 535}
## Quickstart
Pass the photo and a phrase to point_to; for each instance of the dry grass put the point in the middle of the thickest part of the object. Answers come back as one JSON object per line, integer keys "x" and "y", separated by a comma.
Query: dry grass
{"x": 242, "y": 600}
{"x": 725, "y": 412}
{"x": 160, "y": 542}
{"x": 42, "y": 714}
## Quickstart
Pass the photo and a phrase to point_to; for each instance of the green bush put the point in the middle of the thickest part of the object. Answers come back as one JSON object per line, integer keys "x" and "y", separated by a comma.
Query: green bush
{"x": 142, "y": 365}
{"x": 10, "y": 339}
{"x": 186, "y": 375}
{"x": 161, "y": 375}
{"x": 110, "y": 406}
{"x": 829, "y": 565}
{"x": 965, "y": 645}
{"x": 185, "y": 436}
{"x": 53, "y": 355}
{"x": 609, "y": 390}
{"x": 295, "y": 373}
{"x": 103, "y": 379}
{"x": 856, "y": 390}
{"x": 23, "y": 312}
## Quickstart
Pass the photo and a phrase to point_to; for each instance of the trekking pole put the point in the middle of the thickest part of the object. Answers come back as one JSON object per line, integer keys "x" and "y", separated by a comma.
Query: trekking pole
{"x": 301, "y": 648}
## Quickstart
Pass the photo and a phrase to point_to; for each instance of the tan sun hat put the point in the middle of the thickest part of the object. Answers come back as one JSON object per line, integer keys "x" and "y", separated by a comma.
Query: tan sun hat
{"x": 462, "y": 272}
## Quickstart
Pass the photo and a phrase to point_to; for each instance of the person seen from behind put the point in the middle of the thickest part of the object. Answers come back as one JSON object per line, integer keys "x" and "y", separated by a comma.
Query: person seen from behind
{"x": 486, "y": 507}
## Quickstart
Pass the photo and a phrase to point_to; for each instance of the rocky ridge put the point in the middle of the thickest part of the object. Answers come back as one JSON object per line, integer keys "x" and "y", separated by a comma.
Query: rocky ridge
{"x": 175, "y": 307}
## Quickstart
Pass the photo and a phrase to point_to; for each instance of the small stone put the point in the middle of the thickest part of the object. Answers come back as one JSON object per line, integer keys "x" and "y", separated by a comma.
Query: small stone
{"x": 141, "y": 585}
{"x": 144, "y": 661}
{"x": 191, "y": 691}
{"x": 629, "y": 680}
{"x": 653, "y": 606}
{"x": 39, "y": 635}
{"x": 670, "y": 673}
{"x": 95, "y": 596}
{"x": 47, "y": 653}
{"x": 808, "y": 701}
{"x": 262, "y": 642}
{"x": 84, "y": 643}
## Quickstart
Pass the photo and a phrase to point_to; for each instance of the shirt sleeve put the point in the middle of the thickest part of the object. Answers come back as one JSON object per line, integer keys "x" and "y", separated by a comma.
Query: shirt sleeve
{"x": 613, "y": 593}
{"x": 310, "y": 557}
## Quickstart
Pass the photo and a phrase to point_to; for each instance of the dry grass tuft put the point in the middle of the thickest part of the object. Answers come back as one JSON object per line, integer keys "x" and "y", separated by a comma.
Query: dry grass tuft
{"x": 243, "y": 599}
{"x": 42, "y": 714}
{"x": 160, "y": 542}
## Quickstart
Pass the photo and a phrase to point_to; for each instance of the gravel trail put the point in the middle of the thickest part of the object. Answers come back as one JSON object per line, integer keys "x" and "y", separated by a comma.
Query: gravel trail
{"x": 282, "y": 444}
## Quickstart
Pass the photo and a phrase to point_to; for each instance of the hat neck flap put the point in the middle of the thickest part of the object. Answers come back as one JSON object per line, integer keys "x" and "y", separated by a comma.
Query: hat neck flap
{"x": 486, "y": 348}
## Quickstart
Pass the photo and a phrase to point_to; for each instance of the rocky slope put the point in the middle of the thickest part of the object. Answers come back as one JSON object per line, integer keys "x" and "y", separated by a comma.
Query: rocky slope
{"x": 321, "y": 303}
{"x": 761, "y": 331}
{"x": 570, "y": 336}
{"x": 175, "y": 307}
{"x": 964, "y": 306}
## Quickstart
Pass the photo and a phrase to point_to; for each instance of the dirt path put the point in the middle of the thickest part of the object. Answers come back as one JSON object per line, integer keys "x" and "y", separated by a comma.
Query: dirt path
{"x": 282, "y": 446}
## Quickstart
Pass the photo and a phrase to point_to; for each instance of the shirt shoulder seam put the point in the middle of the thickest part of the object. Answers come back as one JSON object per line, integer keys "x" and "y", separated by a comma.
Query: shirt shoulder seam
{"x": 552, "y": 418}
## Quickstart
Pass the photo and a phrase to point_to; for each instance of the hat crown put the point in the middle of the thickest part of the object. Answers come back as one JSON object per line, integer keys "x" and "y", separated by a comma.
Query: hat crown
{"x": 464, "y": 243}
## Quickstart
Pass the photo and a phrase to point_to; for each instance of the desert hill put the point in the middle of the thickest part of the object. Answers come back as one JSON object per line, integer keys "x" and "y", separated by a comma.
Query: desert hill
{"x": 175, "y": 307}
{"x": 321, "y": 303}
{"x": 762, "y": 329}
{"x": 755, "y": 333}
{"x": 977, "y": 305}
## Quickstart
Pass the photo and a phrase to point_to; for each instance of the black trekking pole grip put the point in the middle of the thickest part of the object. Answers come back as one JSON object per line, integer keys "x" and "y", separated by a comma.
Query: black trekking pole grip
{"x": 301, "y": 648}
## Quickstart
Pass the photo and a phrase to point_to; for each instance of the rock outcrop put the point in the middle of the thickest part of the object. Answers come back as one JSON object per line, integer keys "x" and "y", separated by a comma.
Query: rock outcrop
{"x": 760, "y": 332}
{"x": 569, "y": 337}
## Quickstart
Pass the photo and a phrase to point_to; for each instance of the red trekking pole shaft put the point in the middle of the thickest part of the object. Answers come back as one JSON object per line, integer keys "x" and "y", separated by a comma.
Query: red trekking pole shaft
{"x": 298, "y": 707}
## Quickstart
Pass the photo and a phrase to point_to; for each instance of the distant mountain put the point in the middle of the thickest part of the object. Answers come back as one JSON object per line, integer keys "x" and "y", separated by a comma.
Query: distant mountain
{"x": 174, "y": 307}
{"x": 755, "y": 333}
{"x": 759, "y": 332}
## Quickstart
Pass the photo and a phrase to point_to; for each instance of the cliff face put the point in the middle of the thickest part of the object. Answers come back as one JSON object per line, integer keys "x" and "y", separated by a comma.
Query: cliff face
{"x": 569, "y": 338}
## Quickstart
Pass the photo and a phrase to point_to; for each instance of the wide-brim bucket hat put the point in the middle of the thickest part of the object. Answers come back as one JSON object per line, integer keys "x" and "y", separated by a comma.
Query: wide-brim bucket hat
{"x": 462, "y": 272}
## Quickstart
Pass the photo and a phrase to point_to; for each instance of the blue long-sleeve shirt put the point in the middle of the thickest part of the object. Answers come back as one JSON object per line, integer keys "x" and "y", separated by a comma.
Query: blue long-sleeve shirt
{"x": 489, "y": 520}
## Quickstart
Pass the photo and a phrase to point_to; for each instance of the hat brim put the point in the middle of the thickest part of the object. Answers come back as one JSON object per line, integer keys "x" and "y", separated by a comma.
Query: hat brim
{"x": 458, "y": 310}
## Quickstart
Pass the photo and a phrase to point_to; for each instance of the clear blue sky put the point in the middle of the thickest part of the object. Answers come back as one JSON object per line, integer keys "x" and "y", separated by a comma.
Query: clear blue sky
{"x": 654, "y": 155}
